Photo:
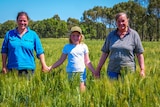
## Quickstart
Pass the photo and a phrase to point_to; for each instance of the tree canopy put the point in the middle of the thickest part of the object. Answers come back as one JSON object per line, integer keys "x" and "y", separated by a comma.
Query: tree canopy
{"x": 97, "y": 22}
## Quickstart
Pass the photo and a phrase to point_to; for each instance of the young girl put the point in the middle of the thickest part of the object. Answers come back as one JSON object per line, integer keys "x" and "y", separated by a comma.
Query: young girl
{"x": 78, "y": 57}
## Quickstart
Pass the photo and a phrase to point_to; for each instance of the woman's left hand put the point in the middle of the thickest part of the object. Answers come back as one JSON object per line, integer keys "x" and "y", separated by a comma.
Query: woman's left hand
{"x": 142, "y": 73}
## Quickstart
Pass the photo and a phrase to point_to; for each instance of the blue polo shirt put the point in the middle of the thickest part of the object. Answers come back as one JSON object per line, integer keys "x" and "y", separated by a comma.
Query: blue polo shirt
{"x": 20, "y": 50}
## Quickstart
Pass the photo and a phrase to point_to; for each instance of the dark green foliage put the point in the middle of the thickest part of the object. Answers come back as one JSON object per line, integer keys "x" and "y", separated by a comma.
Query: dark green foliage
{"x": 96, "y": 23}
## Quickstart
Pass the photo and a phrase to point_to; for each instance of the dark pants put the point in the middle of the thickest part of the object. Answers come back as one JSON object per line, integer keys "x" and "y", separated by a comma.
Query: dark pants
{"x": 23, "y": 71}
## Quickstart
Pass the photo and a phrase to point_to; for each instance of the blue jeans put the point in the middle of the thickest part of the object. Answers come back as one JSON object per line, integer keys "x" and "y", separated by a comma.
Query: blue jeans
{"x": 71, "y": 75}
{"x": 113, "y": 75}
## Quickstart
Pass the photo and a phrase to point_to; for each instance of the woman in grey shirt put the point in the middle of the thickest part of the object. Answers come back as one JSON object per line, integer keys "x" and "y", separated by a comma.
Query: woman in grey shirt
{"x": 120, "y": 46}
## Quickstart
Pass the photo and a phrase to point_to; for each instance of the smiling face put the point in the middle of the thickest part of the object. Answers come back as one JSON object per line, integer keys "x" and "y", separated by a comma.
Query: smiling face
{"x": 22, "y": 22}
{"x": 122, "y": 22}
{"x": 75, "y": 38}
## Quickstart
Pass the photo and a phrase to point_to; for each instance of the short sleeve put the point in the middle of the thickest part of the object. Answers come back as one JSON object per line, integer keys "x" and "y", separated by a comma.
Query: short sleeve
{"x": 64, "y": 50}
{"x": 138, "y": 47}
{"x": 85, "y": 48}
{"x": 38, "y": 45}
{"x": 105, "y": 47}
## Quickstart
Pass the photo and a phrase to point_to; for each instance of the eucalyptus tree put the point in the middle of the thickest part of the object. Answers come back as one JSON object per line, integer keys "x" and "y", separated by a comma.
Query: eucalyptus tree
{"x": 62, "y": 29}
{"x": 97, "y": 18}
{"x": 154, "y": 11}
{"x": 72, "y": 22}
{"x": 87, "y": 22}
{"x": 51, "y": 28}
{"x": 31, "y": 23}
{"x": 8, "y": 25}
{"x": 56, "y": 17}
{"x": 151, "y": 27}
{"x": 93, "y": 14}
{"x": 55, "y": 28}
{"x": 143, "y": 3}
{"x": 96, "y": 25}
{"x": 39, "y": 28}
{"x": 107, "y": 18}
{"x": 152, "y": 17}
{"x": 137, "y": 16}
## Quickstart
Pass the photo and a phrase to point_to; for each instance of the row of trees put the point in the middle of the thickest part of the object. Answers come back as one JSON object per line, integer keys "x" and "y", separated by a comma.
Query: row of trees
{"x": 96, "y": 23}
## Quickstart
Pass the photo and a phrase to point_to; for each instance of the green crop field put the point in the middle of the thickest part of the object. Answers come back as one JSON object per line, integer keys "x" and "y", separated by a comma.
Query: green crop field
{"x": 53, "y": 89}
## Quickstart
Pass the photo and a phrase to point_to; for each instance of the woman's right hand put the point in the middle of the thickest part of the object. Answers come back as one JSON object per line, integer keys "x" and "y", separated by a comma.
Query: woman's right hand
{"x": 4, "y": 70}
{"x": 45, "y": 68}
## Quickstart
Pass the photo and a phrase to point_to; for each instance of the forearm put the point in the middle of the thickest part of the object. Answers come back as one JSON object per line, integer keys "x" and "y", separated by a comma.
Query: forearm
{"x": 141, "y": 64}
{"x": 90, "y": 66}
{"x": 45, "y": 68}
{"x": 4, "y": 60}
{"x": 59, "y": 62}
{"x": 55, "y": 65}
{"x": 101, "y": 61}
{"x": 42, "y": 60}
{"x": 141, "y": 61}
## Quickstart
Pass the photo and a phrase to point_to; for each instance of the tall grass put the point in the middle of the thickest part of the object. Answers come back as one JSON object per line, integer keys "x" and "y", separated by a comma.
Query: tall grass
{"x": 53, "y": 89}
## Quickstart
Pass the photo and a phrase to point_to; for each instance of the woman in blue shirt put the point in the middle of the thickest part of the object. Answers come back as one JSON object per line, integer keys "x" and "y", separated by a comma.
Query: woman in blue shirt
{"x": 18, "y": 48}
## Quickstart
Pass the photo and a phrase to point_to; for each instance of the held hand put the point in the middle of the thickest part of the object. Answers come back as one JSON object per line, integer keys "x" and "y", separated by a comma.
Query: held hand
{"x": 97, "y": 74}
{"x": 50, "y": 68}
{"x": 94, "y": 73}
{"x": 45, "y": 68}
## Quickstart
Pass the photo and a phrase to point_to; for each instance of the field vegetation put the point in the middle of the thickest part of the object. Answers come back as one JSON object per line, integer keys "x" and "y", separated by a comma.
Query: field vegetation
{"x": 53, "y": 89}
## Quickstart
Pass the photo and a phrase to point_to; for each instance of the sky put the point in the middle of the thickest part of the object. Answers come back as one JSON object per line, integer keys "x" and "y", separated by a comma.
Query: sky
{"x": 44, "y": 9}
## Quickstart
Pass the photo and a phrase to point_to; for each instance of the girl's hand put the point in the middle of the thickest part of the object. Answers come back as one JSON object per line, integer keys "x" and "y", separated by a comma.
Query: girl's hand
{"x": 50, "y": 68}
{"x": 97, "y": 74}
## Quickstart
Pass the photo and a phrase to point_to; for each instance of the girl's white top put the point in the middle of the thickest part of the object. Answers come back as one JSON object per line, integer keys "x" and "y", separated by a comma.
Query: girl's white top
{"x": 75, "y": 57}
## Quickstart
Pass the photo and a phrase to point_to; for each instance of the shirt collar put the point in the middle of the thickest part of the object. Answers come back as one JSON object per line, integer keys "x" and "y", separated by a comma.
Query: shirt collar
{"x": 128, "y": 31}
{"x": 16, "y": 30}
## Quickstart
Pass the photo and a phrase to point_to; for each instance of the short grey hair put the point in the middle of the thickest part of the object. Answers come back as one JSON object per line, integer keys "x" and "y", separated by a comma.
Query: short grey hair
{"x": 120, "y": 14}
